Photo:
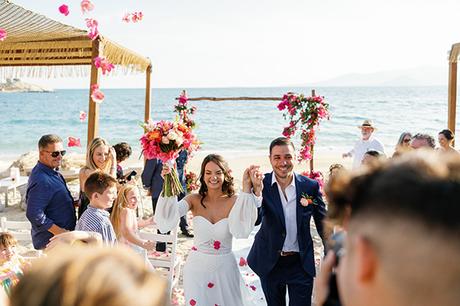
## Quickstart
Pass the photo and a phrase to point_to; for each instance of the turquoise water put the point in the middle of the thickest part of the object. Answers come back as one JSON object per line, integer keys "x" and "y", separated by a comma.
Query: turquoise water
{"x": 222, "y": 126}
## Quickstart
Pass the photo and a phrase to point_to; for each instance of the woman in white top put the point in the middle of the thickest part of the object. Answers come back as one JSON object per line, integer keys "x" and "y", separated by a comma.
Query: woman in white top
{"x": 211, "y": 274}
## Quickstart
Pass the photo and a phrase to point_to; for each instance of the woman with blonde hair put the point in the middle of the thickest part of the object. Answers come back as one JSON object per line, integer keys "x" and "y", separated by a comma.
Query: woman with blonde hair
{"x": 99, "y": 156}
{"x": 89, "y": 276}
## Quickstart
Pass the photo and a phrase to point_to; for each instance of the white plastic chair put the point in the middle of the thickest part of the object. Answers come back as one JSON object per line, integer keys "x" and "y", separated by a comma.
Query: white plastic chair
{"x": 171, "y": 262}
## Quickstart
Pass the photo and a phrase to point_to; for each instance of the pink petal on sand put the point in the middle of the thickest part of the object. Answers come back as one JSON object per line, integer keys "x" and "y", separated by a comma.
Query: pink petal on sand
{"x": 3, "y": 34}
{"x": 64, "y": 9}
{"x": 194, "y": 248}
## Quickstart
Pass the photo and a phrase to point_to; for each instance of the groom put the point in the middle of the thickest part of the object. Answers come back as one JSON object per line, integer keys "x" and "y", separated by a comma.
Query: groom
{"x": 282, "y": 253}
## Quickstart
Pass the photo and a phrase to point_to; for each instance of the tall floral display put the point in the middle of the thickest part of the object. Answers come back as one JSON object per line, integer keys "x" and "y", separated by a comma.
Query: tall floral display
{"x": 304, "y": 114}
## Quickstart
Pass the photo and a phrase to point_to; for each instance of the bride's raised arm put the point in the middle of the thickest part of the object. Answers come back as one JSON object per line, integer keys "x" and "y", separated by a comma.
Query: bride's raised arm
{"x": 168, "y": 210}
{"x": 243, "y": 215}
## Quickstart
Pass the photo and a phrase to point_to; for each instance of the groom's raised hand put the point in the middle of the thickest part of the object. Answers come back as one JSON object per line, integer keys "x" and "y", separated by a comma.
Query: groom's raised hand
{"x": 256, "y": 179}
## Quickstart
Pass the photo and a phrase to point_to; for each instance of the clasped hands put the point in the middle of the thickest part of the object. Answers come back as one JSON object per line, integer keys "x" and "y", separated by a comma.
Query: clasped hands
{"x": 253, "y": 179}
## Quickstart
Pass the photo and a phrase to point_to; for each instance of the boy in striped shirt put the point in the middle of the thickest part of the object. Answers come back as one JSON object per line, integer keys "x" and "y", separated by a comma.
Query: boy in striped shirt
{"x": 101, "y": 190}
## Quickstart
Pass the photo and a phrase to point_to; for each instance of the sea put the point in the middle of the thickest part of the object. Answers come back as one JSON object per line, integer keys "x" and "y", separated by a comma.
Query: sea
{"x": 236, "y": 127}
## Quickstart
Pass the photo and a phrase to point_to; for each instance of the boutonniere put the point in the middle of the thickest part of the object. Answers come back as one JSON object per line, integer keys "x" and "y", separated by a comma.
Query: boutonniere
{"x": 306, "y": 200}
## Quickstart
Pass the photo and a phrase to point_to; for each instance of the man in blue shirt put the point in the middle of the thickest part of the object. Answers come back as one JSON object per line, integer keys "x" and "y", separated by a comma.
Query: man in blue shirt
{"x": 50, "y": 206}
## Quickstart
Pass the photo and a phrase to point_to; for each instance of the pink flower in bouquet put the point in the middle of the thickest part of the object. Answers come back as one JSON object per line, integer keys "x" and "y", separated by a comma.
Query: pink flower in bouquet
{"x": 92, "y": 25}
{"x": 86, "y": 6}
{"x": 97, "y": 95}
{"x": 104, "y": 64}
{"x": 3, "y": 34}
{"x": 64, "y": 9}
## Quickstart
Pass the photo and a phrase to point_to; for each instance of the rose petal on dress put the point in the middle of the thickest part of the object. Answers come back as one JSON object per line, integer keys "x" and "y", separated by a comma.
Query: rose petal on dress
{"x": 253, "y": 287}
{"x": 210, "y": 285}
{"x": 243, "y": 262}
{"x": 194, "y": 248}
{"x": 64, "y": 9}
{"x": 216, "y": 244}
{"x": 3, "y": 34}
{"x": 192, "y": 302}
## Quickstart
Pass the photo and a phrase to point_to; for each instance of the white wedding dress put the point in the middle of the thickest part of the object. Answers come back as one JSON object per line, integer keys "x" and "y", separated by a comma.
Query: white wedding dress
{"x": 211, "y": 274}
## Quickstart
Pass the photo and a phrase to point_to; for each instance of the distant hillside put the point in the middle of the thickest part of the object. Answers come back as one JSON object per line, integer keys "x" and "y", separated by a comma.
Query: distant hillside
{"x": 16, "y": 85}
{"x": 420, "y": 76}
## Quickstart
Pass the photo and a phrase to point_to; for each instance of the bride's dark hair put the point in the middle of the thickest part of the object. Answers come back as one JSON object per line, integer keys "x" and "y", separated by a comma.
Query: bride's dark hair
{"x": 227, "y": 186}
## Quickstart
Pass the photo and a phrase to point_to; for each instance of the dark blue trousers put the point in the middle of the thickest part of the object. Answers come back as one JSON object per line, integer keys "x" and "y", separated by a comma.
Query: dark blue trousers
{"x": 288, "y": 274}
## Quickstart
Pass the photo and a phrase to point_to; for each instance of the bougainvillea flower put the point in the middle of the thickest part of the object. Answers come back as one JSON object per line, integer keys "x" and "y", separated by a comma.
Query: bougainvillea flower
{"x": 137, "y": 16}
{"x": 73, "y": 142}
{"x": 92, "y": 25}
{"x": 217, "y": 244}
{"x": 104, "y": 64}
{"x": 86, "y": 6}
{"x": 83, "y": 116}
{"x": 243, "y": 262}
{"x": 96, "y": 94}
{"x": 64, "y": 10}
{"x": 192, "y": 302}
{"x": 210, "y": 285}
{"x": 3, "y": 34}
{"x": 126, "y": 18}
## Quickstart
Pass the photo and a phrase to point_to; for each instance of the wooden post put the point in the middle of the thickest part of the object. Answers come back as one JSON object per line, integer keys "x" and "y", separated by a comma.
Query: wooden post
{"x": 93, "y": 108}
{"x": 313, "y": 94}
{"x": 452, "y": 96}
{"x": 148, "y": 74}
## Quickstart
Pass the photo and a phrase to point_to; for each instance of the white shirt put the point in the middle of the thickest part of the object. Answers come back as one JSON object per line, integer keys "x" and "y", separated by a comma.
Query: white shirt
{"x": 289, "y": 202}
{"x": 361, "y": 147}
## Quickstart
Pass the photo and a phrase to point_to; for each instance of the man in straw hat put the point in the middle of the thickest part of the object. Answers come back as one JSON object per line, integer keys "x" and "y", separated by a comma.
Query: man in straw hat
{"x": 366, "y": 143}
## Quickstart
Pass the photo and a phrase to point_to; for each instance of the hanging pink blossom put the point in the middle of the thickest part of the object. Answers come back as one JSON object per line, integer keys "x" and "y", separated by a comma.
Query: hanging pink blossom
{"x": 73, "y": 142}
{"x": 96, "y": 94}
{"x": 86, "y": 6}
{"x": 92, "y": 25}
{"x": 104, "y": 64}
{"x": 126, "y": 18}
{"x": 3, "y": 34}
{"x": 137, "y": 16}
{"x": 83, "y": 116}
{"x": 64, "y": 9}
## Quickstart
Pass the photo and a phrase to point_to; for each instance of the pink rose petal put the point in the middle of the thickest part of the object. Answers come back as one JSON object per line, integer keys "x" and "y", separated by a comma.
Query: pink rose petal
{"x": 216, "y": 244}
{"x": 194, "y": 248}
{"x": 64, "y": 9}
{"x": 253, "y": 287}
{"x": 243, "y": 262}
{"x": 210, "y": 285}
{"x": 192, "y": 302}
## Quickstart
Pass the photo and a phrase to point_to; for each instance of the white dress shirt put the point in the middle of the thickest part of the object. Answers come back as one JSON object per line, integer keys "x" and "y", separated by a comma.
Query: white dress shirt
{"x": 289, "y": 202}
{"x": 362, "y": 146}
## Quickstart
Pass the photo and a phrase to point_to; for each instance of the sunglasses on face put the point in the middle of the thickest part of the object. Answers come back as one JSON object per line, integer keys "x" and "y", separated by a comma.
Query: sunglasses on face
{"x": 56, "y": 153}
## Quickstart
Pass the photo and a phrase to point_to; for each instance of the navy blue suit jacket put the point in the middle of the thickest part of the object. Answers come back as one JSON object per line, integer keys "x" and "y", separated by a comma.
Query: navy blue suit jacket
{"x": 269, "y": 241}
{"x": 151, "y": 177}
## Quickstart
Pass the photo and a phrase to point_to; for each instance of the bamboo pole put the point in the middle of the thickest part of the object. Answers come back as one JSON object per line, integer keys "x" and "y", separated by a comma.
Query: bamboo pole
{"x": 93, "y": 108}
{"x": 313, "y": 93}
{"x": 148, "y": 74}
{"x": 452, "y": 96}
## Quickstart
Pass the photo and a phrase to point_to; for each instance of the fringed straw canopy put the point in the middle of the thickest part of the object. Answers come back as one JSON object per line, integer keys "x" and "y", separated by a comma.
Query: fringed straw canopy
{"x": 37, "y": 46}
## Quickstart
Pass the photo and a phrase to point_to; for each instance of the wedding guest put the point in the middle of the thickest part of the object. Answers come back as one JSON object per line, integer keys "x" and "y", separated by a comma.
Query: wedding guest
{"x": 420, "y": 140}
{"x": 11, "y": 263}
{"x": 50, "y": 206}
{"x": 371, "y": 157}
{"x": 282, "y": 254}
{"x": 366, "y": 143}
{"x": 99, "y": 156}
{"x": 412, "y": 200}
{"x": 90, "y": 276}
{"x": 211, "y": 274}
{"x": 334, "y": 168}
{"x": 403, "y": 144}
{"x": 123, "y": 152}
{"x": 446, "y": 140}
{"x": 101, "y": 189}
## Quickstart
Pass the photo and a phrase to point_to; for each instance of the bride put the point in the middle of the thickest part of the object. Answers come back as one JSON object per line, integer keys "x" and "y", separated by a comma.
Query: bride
{"x": 211, "y": 274}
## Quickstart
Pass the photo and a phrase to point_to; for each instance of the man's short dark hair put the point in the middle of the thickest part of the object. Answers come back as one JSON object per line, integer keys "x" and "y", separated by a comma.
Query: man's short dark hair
{"x": 281, "y": 141}
{"x": 45, "y": 140}
{"x": 429, "y": 139}
{"x": 373, "y": 153}
{"x": 98, "y": 182}
{"x": 123, "y": 151}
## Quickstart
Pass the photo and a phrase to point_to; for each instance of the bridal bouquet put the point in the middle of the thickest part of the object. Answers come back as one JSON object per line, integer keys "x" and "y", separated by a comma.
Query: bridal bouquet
{"x": 164, "y": 140}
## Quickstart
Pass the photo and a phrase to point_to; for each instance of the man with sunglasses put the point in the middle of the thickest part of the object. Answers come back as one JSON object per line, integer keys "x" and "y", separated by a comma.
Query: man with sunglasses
{"x": 50, "y": 207}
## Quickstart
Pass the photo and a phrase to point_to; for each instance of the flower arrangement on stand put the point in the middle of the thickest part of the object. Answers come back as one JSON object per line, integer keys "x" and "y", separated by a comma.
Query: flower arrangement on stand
{"x": 164, "y": 140}
{"x": 184, "y": 115}
{"x": 304, "y": 114}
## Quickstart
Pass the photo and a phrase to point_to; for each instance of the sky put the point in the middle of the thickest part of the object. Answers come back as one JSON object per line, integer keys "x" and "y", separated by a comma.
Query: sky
{"x": 250, "y": 43}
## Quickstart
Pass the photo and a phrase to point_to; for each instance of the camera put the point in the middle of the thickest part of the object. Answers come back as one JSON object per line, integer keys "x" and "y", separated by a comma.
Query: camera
{"x": 336, "y": 245}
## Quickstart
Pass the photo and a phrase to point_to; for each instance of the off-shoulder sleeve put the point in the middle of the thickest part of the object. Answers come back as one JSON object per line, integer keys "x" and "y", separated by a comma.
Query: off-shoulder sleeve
{"x": 168, "y": 213}
{"x": 243, "y": 215}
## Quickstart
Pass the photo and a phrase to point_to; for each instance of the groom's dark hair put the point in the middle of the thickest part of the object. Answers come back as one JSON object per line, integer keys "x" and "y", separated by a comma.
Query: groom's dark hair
{"x": 281, "y": 141}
